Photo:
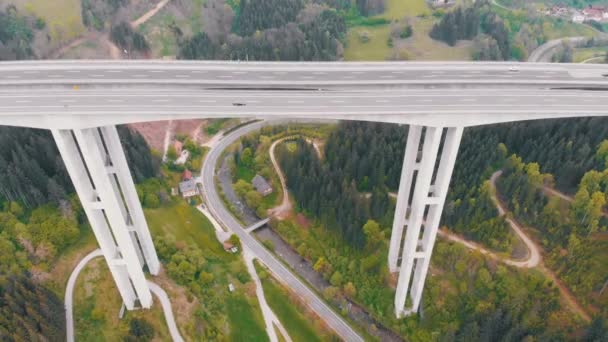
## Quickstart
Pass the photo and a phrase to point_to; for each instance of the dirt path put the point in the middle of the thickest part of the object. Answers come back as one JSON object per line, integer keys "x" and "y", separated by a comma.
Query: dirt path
{"x": 62, "y": 51}
{"x": 167, "y": 140}
{"x": 284, "y": 209}
{"x": 553, "y": 192}
{"x": 534, "y": 255}
{"x": 535, "y": 258}
{"x": 135, "y": 23}
{"x": 115, "y": 52}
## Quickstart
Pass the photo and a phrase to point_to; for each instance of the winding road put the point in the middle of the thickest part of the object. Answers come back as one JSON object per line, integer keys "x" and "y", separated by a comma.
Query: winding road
{"x": 69, "y": 300}
{"x": 534, "y": 256}
{"x": 280, "y": 271}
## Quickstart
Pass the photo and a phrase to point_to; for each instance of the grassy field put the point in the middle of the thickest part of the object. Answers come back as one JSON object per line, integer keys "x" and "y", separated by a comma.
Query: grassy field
{"x": 60, "y": 271}
{"x": 299, "y": 326}
{"x": 587, "y": 53}
{"x": 97, "y": 304}
{"x": 246, "y": 324}
{"x": 158, "y": 30}
{"x": 158, "y": 33}
{"x": 63, "y": 18}
{"x": 376, "y": 49}
{"x": 418, "y": 47}
{"x": 397, "y": 9}
{"x": 188, "y": 225}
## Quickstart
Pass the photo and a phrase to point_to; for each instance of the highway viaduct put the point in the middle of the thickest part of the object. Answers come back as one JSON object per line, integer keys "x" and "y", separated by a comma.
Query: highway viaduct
{"x": 82, "y": 101}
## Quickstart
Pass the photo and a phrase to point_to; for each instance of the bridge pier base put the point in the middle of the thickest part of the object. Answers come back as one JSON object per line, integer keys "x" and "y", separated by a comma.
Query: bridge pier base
{"x": 425, "y": 178}
{"x": 97, "y": 165}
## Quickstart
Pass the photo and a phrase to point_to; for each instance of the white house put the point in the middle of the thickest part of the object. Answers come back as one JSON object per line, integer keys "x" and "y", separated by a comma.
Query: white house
{"x": 578, "y": 18}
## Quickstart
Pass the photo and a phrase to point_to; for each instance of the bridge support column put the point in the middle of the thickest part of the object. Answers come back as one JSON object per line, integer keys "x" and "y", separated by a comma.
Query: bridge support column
{"x": 419, "y": 211}
{"x": 95, "y": 160}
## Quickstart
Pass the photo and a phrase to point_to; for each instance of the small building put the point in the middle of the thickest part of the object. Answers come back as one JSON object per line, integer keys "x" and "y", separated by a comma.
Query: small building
{"x": 187, "y": 175}
{"x": 261, "y": 185}
{"x": 230, "y": 287}
{"x": 183, "y": 157}
{"x": 578, "y": 18}
{"x": 188, "y": 188}
{"x": 230, "y": 248}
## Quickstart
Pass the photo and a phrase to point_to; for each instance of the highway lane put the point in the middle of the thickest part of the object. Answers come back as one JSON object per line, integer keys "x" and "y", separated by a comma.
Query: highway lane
{"x": 96, "y": 107}
{"x": 287, "y": 73}
{"x": 82, "y": 94}
{"x": 216, "y": 206}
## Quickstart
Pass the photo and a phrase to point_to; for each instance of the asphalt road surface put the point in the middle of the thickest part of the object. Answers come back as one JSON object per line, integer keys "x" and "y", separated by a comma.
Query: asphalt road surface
{"x": 216, "y": 206}
{"x": 79, "y": 94}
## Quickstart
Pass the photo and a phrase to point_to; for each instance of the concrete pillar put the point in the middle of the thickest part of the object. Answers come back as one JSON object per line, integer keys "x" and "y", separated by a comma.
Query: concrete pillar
{"x": 421, "y": 215}
{"x": 97, "y": 166}
{"x": 403, "y": 196}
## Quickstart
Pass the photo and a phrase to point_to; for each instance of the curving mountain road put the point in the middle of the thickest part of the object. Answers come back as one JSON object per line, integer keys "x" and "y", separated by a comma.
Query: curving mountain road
{"x": 534, "y": 256}
{"x": 280, "y": 271}
{"x": 69, "y": 293}
{"x": 69, "y": 300}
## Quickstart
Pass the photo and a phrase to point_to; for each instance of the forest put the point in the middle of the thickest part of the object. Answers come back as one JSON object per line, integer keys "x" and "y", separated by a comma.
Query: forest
{"x": 573, "y": 233}
{"x": 40, "y": 218}
{"x": 32, "y": 172}
{"x": 267, "y": 30}
{"x": 467, "y": 23}
{"x": 366, "y": 158}
{"x": 17, "y": 34}
{"x": 348, "y": 193}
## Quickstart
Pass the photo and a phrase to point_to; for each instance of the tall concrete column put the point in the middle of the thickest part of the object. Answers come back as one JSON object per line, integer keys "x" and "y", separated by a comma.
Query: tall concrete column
{"x": 97, "y": 166}
{"x": 430, "y": 179}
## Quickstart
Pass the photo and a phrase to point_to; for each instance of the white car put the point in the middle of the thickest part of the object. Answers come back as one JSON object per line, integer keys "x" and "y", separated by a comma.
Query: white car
{"x": 513, "y": 68}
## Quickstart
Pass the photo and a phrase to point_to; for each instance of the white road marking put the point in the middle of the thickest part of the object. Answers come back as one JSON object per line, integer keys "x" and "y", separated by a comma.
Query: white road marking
{"x": 116, "y": 101}
{"x": 207, "y": 101}
{"x": 387, "y": 76}
{"x": 159, "y": 71}
{"x": 140, "y": 76}
{"x": 68, "y": 101}
{"x": 56, "y": 76}
{"x": 23, "y": 101}
{"x": 114, "y": 71}
{"x": 160, "y": 100}
{"x": 99, "y": 75}
{"x": 337, "y": 101}
{"x": 182, "y": 76}
{"x": 291, "y": 101}
{"x": 31, "y": 71}
{"x": 13, "y": 76}
{"x": 225, "y": 76}
{"x": 74, "y": 71}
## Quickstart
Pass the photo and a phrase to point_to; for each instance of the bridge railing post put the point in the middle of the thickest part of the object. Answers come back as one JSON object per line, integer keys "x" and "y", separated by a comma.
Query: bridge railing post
{"x": 430, "y": 179}
{"x": 97, "y": 166}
